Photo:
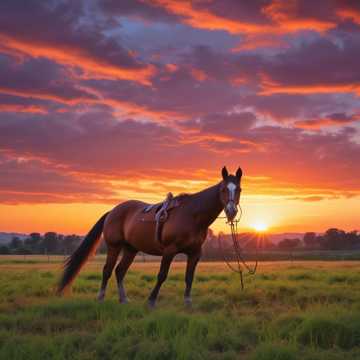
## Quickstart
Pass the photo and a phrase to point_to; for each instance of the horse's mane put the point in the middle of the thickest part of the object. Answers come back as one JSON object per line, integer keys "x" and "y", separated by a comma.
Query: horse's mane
{"x": 182, "y": 196}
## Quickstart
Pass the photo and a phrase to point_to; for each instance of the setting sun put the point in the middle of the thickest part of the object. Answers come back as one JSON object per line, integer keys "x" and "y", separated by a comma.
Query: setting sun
{"x": 259, "y": 226}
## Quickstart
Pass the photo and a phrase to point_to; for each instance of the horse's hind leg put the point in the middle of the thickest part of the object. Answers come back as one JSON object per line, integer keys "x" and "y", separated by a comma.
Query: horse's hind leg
{"x": 111, "y": 258}
{"x": 120, "y": 271}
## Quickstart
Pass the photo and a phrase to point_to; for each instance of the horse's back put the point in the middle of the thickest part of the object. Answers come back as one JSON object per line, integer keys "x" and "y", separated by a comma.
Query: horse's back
{"x": 118, "y": 219}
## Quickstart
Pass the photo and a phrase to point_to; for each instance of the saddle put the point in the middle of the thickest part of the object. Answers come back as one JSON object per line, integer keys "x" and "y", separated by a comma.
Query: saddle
{"x": 159, "y": 213}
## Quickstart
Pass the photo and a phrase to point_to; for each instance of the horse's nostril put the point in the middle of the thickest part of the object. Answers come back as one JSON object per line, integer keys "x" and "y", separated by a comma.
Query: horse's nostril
{"x": 231, "y": 213}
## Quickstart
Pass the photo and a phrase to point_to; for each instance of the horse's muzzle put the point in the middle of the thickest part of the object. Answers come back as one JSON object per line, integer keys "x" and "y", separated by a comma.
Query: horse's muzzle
{"x": 231, "y": 211}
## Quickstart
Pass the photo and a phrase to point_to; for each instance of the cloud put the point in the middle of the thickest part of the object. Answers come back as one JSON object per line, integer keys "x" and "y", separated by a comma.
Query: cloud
{"x": 31, "y": 181}
{"x": 337, "y": 119}
{"x": 113, "y": 99}
{"x": 319, "y": 74}
{"x": 96, "y": 55}
{"x": 349, "y": 10}
{"x": 275, "y": 17}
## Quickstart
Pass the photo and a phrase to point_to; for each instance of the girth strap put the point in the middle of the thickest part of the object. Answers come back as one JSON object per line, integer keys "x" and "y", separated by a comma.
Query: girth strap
{"x": 161, "y": 216}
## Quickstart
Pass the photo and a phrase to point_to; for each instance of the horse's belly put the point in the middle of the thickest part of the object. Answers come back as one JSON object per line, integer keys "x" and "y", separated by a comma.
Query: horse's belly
{"x": 139, "y": 231}
{"x": 141, "y": 235}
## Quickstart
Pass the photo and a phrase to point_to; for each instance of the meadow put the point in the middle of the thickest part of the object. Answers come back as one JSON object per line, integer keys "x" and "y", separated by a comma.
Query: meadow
{"x": 289, "y": 310}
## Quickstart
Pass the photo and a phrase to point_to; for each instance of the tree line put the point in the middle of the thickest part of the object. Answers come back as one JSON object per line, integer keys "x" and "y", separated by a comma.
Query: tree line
{"x": 332, "y": 239}
{"x": 48, "y": 243}
{"x": 53, "y": 243}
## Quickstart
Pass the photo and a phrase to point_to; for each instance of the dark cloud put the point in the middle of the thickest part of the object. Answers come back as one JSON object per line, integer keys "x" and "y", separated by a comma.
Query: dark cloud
{"x": 85, "y": 93}
{"x": 62, "y": 32}
{"x": 31, "y": 181}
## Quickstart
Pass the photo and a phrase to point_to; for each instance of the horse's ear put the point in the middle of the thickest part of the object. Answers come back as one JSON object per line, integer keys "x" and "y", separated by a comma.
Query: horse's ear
{"x": 239, "y": 173}
{"x": 224, "y": 173}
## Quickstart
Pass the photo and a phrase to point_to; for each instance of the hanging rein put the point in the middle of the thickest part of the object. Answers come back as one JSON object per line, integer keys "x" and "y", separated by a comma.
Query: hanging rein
{"x": 240, "y": 261}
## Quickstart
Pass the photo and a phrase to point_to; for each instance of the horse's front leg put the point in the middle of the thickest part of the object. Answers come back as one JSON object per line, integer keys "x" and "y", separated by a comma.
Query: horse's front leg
{"x": 192, "y": 260}
{"x": 166, "y": 260}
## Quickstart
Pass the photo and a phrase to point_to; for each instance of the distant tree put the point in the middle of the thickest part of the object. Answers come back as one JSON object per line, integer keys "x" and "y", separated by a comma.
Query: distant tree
{"x": 352, "y": 240}
{"x": 33, "y": 242}
{"x": 289, "y": 244}
{"x": 4, "y": 250}
{"x": 210, "y": 248}
{"x": 35, "y": 237}
{"x": 50, "y": 242}
{"x": 22, "y": 250}
{"x": 311, "y": 240}
{"x": 334, "y": 239}
{"x": 15, "y": 242}
{"x": 69, "y": 243}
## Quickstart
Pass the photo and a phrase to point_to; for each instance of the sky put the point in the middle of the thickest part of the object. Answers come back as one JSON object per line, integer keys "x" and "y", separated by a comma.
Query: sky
{"x": 105, "y": 101}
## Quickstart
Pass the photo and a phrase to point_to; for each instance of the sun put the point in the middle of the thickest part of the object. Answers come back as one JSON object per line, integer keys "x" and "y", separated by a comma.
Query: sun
{"x": 259, "y": 226}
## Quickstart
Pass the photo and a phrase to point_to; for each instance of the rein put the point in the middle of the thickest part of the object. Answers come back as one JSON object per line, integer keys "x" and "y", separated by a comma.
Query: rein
{"x": 240, "y": 261}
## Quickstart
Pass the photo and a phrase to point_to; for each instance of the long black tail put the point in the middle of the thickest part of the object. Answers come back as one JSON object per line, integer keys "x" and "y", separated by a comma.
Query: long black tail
{"x": 74, "y": 263}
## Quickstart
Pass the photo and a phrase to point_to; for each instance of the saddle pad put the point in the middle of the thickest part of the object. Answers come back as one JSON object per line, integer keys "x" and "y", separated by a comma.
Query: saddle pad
{"x": 173, "y": 203}
{"x": 150, "y": 207}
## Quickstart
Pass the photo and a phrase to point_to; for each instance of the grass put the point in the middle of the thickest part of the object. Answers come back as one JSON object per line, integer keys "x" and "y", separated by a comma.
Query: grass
{"x": 288, "y": 311}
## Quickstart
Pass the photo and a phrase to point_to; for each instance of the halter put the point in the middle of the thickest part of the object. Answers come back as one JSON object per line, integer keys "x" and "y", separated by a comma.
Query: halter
{"x": 241, "y": 263}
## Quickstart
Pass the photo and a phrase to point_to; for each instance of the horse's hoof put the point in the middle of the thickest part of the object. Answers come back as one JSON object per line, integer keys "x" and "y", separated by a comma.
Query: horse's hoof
{"x": 151, "y": 304}
{"x": 124, "y": 301}
{"x": 100, "y": 299}
{"x": 188, "y": 302}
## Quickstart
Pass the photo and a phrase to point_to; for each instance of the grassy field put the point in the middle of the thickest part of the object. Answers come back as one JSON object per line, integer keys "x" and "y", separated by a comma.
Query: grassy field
{"x": 300, "y": 310}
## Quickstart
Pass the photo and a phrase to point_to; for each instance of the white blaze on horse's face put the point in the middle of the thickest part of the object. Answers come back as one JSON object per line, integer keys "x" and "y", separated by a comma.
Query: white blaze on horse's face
{"x": 231, "y": 208}
{"x": 231, "y": 187}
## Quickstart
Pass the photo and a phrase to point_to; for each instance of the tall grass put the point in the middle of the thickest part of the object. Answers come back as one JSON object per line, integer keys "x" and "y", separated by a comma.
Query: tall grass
{"x": 292, "y": 312}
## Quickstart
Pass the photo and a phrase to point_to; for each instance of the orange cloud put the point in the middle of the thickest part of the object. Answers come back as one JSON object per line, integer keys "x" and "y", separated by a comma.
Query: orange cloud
{"x": 279, "y": 17}
{"x": 285, "y": 14}
{"x": 253, "y": 42}
{"x": 172, "y": 67}
{"x": 311, "y": 89}
{"x": 204, "y": 19}
{"x": 320, "y": 123}
{"x": 124, "y": 107}
{"x": 43, "y": 95}
{"x": 76, "y": 57}
{"x": 22, "y": 108}
{"x": 270, "y": 87}
{"x": 198, "y": 74}
{"x": 348, "y": 13}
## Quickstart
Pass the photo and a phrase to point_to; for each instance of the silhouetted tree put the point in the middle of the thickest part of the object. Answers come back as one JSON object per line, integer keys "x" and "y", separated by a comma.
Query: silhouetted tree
{"x": 210, "y": 248}
{"x": 310, "y": 240}
{"x": 22, "y": 250}
{"x": 70, "y": 243}
{"x": 15, "y": 243}
{"x": 289, "y": 244}
{"x": 333, "y": 239}
{"x": 352, "y": 240}
{"x": 4, "y": 250}
{"x": 50, "y": 242}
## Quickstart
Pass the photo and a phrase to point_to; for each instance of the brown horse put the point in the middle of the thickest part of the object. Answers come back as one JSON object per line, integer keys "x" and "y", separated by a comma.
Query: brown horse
{"x": 184, "y": 232}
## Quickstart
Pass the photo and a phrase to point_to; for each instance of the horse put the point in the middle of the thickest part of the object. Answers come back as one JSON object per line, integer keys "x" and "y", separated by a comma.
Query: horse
{"x": 184, "y": 231}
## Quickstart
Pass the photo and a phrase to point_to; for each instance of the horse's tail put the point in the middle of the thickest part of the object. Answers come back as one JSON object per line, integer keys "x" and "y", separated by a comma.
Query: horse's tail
{"x": 74, "y": 263}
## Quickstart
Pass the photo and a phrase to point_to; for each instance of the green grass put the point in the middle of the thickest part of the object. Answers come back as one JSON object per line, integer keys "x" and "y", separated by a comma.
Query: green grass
{"x": 287, "y": 312}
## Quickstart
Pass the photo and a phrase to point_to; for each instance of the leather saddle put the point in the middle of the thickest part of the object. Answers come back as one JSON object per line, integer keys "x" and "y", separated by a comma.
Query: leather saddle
{"x": 159, "y": 213}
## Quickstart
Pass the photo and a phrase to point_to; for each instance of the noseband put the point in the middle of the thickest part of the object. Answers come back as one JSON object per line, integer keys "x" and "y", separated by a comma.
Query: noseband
{"x": 241, "y": 263}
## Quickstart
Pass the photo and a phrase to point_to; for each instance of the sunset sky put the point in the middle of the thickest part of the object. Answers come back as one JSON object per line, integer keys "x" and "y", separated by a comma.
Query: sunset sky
{"x": 104, "y": 101}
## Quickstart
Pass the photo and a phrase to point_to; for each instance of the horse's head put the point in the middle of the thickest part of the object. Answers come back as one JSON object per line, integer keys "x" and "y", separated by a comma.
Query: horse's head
{"x": 230, "y": 190}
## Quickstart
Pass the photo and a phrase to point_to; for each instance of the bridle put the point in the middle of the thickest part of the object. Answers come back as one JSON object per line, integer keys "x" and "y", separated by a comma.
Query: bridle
{"x": 240, "y": 261}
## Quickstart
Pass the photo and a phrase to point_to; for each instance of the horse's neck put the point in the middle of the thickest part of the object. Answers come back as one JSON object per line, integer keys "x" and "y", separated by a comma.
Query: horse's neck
{"x": 208, "y": 205}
